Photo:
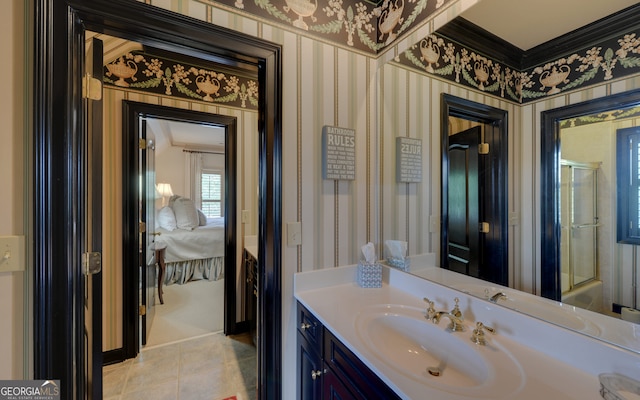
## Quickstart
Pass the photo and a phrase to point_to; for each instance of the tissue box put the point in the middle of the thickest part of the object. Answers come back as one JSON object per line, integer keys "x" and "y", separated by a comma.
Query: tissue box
{"x": 369, "y": 275}
{"x": 402, "y": 264}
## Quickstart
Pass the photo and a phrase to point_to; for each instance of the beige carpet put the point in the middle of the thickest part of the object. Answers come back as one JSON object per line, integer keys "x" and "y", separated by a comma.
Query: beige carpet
{"x": 190, "y": 310}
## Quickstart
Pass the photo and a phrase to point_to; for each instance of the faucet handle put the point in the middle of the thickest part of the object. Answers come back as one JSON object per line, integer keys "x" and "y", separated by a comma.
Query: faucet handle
{"x": 478, "y": 336}
{"x": 456, "y": 309}
{"x": 431, "y": 311}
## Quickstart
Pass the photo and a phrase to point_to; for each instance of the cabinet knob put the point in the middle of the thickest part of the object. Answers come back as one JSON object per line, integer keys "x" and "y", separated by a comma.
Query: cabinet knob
{"x": 304, "y": 326}
{"x": 316, "y": 374}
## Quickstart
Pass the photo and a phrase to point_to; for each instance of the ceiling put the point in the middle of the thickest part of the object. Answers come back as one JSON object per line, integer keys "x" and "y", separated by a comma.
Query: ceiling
{"x": 189, "y": 135}
{"x": 527, "y": 24}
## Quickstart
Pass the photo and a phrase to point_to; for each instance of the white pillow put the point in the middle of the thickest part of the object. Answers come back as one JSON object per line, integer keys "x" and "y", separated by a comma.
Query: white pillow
{"x": 202, "y": 218}
{"x": 167, "y": 219}
{"x": 186, "y": 214}
{"x": 172, "y": 199}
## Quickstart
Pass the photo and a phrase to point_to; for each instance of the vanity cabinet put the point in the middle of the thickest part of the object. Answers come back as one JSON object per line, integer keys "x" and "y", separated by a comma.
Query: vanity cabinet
{"x": 327, "y": 369}
{"x": 310, "y": 365}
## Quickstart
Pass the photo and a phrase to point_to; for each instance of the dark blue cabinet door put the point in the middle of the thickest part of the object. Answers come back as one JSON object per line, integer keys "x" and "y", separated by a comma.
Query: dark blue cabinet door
{"x": 310, "y": 371}
{"x": 334, "y": 389}
{"x": 364, "y": 384}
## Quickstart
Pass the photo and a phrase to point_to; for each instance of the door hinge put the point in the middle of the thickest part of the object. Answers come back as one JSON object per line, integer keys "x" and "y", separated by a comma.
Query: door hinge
{"x": 142, "y": 144}
{"x": 484, "y": 227}
{"x": 91, "y": 263}
{"x": 91, "y": 88}
{"x": 483, "y": 148}
{"x": 142, "y": 310}
{"x": 142, "y": 227}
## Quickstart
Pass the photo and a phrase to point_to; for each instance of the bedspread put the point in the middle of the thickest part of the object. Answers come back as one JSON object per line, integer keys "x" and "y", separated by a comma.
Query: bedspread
{"x": 203, "y": 242}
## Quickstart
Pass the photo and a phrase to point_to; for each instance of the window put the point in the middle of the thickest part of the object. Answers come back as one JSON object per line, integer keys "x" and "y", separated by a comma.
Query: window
{"x": 212, "y": 193}
{"x": 628, "y": 183}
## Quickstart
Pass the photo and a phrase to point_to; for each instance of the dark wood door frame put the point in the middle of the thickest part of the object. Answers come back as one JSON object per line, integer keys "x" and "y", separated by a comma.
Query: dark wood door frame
{"x": 550, "y": 274}
{"x": 497, "y": 247}
{"x": 57, "y": 115}
{"x": 131, "y": 114}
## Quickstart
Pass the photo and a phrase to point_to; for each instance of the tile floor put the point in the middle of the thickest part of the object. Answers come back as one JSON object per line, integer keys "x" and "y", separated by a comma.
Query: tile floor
{"x": 211, "y": 367}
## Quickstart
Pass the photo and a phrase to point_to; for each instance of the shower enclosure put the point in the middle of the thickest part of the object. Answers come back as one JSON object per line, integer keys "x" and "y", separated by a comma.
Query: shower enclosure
{"x": 579, "y": 219}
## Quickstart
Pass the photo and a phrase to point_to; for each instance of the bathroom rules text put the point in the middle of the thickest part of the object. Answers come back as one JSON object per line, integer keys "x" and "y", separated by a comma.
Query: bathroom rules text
{"x": 338, "y": 153}
{"x": 408, "y": 160}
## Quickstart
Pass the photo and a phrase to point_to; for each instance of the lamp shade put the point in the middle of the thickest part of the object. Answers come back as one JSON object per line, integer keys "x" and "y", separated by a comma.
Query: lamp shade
{"x": 164, "y": 189}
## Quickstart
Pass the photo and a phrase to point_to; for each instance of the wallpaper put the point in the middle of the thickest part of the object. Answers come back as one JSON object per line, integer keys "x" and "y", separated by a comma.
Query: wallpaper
{"x": 373, "y": 26}
{"x": 602, "y": 117}
{"x": 610, "y": 59}
{"x": 362, "y": 25}
{"x": 210, "y": 83}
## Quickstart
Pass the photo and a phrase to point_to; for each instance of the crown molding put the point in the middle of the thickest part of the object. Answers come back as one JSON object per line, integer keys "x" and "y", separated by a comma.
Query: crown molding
{"x": 482, "y": 41}
{"x": 471, "y": 36}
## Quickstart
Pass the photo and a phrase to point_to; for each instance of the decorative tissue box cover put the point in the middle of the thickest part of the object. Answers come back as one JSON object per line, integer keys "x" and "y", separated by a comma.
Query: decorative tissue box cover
{"x": 369, "y": 275}
{"x": 402, "y": 264}
{"x": 618, "y": 387}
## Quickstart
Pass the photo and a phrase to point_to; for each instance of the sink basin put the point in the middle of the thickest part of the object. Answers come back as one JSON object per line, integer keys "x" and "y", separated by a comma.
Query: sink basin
{"x": 409, "y": 345}
{"x": 553, "y": 312}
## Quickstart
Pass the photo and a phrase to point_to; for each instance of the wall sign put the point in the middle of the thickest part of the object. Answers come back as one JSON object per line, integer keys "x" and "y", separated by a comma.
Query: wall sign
{"x": 338, "y": 153}
{"x": 408, "y": 160}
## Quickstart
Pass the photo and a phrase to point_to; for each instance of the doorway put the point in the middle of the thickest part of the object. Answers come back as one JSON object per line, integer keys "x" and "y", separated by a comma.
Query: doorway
{"x": 134, "y": 113}
{"x": 474, "y": 190}
{"x": 58, "y": 181}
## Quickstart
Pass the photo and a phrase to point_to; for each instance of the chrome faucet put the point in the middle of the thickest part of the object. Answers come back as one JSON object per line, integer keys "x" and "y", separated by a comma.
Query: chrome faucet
{"x": 497, "y": 296}
{"x": 455, "y": 315}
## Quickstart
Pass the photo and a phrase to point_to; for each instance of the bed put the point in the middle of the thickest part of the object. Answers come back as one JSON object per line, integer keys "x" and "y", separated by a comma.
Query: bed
{"x": 193, "y": 252}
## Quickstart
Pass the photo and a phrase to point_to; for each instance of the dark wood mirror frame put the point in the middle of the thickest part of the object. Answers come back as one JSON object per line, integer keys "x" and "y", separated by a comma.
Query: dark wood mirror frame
{"x": 549, "y": 184}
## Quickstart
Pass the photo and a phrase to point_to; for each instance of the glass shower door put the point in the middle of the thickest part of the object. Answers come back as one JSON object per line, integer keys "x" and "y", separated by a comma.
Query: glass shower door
{"x": 583, "y": 256}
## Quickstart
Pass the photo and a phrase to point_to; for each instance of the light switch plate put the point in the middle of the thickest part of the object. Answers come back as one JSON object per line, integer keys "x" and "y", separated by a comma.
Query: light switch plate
{"x": 294, "y": 234}
{"x": 245, "y": 216}
{"x": 12, "y": 255}
{"x": 434, "y": 223}
{"x": 514, "y": 218}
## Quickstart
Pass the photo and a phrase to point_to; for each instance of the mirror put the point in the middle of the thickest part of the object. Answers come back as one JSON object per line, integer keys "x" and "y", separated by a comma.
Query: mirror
{"x": 582, "y": 166}
{"x": 412, "y": 211}
{"x": 578, "y": 141}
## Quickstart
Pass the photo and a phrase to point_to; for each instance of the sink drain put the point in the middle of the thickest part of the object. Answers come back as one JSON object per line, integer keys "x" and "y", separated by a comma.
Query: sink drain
{"x": 435, "y": 371}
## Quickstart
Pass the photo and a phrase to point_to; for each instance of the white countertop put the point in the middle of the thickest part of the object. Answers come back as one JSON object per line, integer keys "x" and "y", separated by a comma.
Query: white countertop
{"x": 556, "y": 363}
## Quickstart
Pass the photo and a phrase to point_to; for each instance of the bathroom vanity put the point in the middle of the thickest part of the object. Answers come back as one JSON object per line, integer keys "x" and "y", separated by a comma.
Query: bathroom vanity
{"x": 357, "y": 343}
{"x": 328, "y": 369}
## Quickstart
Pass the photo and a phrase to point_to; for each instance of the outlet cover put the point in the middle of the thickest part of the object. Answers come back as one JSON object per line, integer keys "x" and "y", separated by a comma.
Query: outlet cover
{"x": 294, "y": 234}
{"x": 12, "y": 253}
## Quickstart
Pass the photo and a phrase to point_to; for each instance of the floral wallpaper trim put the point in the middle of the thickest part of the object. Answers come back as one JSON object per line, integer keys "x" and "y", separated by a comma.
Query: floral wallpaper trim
{"x": 138, "y": 70}
{"x": 361, "y": 25}
{"x": 633, "y": 112}
{"x": 613, "y": 58}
